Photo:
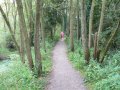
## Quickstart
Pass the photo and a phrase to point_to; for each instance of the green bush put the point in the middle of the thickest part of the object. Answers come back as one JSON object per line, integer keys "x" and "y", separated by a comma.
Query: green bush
{"x": 104, "y": 76}
{"x": 19, "y": 77}
{"x": 4, "y": 51}
{"x": 10, "y": 43}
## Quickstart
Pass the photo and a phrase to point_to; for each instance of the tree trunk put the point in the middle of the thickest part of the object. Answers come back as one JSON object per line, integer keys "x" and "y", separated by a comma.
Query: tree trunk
{"x": 68, "y": 19}
{"x": 38, "y": 62}
{"x": 71, "y": 25}
{"x": 42, "y": 27}
{"x": 10, "y": 28}
{"x": 64, "y": 16}
{"x": 95, "y": 46}
{"x": 31, "y": 23}
{"x": 101, "y": 24}
{"x": 14, "y": 14}
{"x": 24, "y": 31}
{"x": 84, "y": 32}
{"x": 91, "y": 23}
{"x": 109, "y": 42}
{"x": 101, "y": 20}
{"x": 78, "y": 20}
{"x": 22, "y": 51}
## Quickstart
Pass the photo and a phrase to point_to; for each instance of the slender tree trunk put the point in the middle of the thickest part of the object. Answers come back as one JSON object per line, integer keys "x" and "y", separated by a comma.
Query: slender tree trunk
{"x": 38, "y": 62}
{"x": 78, "y": 20}
{"x": 15, "y": 19}
{"x": 68, "y": 25}
{"x": 84, "y": 31}
{"x": 109, "y": 42}
{"x": 30, "y": 21}
{"x": 91, "y": 23}
{"x": 71, "y": 25}
{"x": 68, "y": 19}
{"x": 25, "y": 7}
{"x": 14, "y": 14}
{"x": 10, "y": 28}
{"x": 100, "y": 25}
{"x": 24, "y": 30}
{"x": 51, "y": 34}
{"x": 22, "y": 51}
{"x": 64, "y": 18}
{"x": 101, "y": 20}
{"x": 95, "y": 46}
{"x": 42, "y": 27}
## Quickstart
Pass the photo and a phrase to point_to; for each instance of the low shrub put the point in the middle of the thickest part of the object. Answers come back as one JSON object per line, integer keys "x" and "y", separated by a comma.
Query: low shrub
{"x": 104, "y": 76}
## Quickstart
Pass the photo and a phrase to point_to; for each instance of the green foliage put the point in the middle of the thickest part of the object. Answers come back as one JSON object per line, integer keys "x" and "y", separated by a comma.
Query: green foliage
{"x": 10, "y": 43}
{"x": 18, "y": 76}
{"x": 4, "y": 51}
{"x": 57, "y": 1}
{"x": 110, "y": 83}
{"x": 14, "y": 56}
{"x": 77, "y": 58}
{"x": 104, "y": 76}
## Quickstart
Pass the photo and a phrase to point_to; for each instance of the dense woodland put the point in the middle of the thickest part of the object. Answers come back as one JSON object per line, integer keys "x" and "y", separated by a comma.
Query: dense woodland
{"x": 30, "y": 29}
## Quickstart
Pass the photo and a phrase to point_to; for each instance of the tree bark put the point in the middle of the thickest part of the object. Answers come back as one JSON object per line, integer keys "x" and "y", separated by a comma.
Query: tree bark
{"x": 95, "y": 46}
{"x": 14, "y": 14}
{"x": 22, "y": 51}
{"x": 42, "y": 27}
{"x": 71, "y": 25}
{"x": 78, "y": 21}
{"x": 84, "y": 31}
{"x": 101, "y": 20}
{"x": 24, "y": 31}
{"x": 91, "y": 22}
{"x": 38, "y": 62}
{"x": 101, "y": 24}
{"x": 30, "y": 21}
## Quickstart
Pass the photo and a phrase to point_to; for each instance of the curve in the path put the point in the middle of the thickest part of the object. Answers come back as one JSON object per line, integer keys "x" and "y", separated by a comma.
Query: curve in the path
{"x": 63, "y": 76}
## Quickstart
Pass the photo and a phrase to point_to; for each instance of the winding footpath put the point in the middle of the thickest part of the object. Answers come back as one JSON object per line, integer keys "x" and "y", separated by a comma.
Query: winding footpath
{"x": 63, "y": 76}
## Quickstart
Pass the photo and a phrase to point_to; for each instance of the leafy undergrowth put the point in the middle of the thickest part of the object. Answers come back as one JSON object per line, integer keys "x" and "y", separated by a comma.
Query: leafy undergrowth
{"x": 4, "y": 51}
{"x": 19, "y": 77}
{"x": 104, "y": 76}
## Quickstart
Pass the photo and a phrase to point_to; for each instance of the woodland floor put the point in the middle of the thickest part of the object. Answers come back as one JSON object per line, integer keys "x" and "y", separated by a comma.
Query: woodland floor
{"x": 63, "y": 75}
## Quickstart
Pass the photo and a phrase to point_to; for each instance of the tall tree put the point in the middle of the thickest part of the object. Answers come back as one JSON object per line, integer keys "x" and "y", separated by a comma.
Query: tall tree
{"x": 38, "y": 62}
{"x": 71, "y": 25}
{"x": 10, "y": 28}
{"x": 24, "y": 31}
{"x": 42, "y": 27}
{"x": 22, "y": 47}
{"x": 91, "y": 23}
{"x": 101, "y": 20}
{"x": 14, "y": 14}
{"x": 100, "y": 26}
{"x": 78, "y": 20}
{"x": 30, "y": 20}
{"x": 84, "y": 31}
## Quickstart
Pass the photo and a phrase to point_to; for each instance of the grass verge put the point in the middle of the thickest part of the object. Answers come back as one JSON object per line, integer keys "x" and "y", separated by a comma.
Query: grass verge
{"x": 104, "y": 76}
{"x": 19, "y": 77}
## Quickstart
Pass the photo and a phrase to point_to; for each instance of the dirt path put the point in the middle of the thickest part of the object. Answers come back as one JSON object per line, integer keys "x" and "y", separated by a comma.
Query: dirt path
{"x": 63, "y": 76}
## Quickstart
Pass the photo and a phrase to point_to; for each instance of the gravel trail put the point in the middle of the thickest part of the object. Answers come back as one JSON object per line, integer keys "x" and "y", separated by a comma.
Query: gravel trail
{"x": 63, "y": 75}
